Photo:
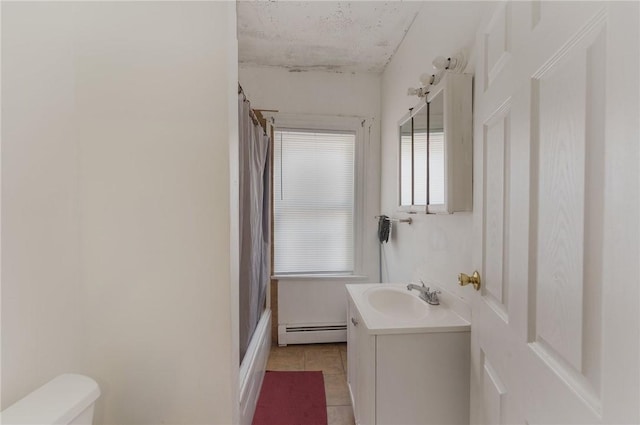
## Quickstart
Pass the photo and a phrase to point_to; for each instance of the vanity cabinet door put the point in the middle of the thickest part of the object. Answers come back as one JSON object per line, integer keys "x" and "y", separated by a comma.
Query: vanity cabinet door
{"x": 423, "y": 379}
{"x": 352, "y": 351}
{"x": 361, "y": 368}
{"x": 366, "y": 376}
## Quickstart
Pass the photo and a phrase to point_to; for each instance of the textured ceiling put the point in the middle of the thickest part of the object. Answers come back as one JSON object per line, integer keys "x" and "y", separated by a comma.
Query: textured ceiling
{"x": 358, "y": 36}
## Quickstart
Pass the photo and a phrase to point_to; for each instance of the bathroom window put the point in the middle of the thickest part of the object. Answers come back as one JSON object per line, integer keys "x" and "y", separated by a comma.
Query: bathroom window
{"x": 314, "y": 199}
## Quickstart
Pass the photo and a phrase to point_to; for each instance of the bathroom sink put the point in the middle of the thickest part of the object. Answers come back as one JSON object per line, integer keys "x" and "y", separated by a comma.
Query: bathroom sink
{"x": 390, "y": 308}
{"x": 397, "y": 303}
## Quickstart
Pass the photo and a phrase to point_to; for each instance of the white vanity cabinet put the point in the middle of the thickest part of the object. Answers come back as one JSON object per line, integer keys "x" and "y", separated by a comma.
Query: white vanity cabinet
{"x": 398, "y": 376}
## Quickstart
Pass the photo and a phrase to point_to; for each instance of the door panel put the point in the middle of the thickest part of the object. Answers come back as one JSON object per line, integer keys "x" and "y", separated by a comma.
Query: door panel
{"x": 496, "y": 165}
{"x": 556, "y": 324}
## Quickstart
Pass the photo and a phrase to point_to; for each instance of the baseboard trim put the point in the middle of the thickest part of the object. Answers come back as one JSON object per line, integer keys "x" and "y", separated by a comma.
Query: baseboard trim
{"x": 311, "y": 334}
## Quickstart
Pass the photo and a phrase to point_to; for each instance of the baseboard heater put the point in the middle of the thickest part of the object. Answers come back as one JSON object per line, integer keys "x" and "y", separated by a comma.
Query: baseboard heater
{"x": 311, "y": 334}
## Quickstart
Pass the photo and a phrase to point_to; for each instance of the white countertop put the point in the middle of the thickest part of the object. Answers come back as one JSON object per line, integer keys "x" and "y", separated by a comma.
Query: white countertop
{"x": 437, "y": 318}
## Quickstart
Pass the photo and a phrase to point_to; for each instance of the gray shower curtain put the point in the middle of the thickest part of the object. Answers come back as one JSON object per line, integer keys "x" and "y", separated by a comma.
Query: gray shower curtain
{"x": 254, "y": 221}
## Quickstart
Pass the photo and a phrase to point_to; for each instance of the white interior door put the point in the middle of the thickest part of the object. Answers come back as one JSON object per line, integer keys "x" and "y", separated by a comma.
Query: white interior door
{"x": 555, "y": 326}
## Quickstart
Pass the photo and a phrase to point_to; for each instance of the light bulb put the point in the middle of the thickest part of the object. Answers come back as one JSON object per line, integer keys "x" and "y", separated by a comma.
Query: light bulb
{"x": 421, "y": 92}
{"x": 440, "y": 63}
{"x": 426, "y": 79}
{"x": 438, "y": 77}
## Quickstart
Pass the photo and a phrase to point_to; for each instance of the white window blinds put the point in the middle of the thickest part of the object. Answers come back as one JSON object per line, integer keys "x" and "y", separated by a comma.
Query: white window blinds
{"x": 313, "y": 201}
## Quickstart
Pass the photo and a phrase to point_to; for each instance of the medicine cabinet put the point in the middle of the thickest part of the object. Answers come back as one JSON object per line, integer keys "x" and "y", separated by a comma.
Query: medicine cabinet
{"x": 435, "y": 149}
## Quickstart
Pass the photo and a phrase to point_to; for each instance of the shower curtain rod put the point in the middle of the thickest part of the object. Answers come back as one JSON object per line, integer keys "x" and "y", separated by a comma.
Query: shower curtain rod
{"x": 252, "y": 112}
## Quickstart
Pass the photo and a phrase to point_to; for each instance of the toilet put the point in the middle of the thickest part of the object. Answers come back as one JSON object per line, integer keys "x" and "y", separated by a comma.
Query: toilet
{"x": 65, "y": 400}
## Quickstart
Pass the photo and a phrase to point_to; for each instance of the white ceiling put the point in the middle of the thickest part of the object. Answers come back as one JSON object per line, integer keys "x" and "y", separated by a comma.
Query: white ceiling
{"x": 344, "y": 36}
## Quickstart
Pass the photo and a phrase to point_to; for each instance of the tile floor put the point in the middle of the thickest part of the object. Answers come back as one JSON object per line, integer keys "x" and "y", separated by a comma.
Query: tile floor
{"x": 331, "y": 359}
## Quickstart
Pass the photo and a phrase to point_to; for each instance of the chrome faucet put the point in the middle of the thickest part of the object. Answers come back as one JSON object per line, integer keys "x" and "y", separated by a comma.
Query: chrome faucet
{"x": 426, "y": 294}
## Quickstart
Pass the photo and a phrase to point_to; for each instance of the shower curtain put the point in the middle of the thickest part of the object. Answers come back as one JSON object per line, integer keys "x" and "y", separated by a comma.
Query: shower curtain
{"x": 254, "y": 206}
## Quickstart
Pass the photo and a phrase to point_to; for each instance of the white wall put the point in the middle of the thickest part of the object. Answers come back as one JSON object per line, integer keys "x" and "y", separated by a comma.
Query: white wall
{"x": 434, "y": 247}
{"x": 312, "y": 92}
{"x": 42, "y": 303}
{"x": 116, "y": 188}
{"x": 309, "y": 301}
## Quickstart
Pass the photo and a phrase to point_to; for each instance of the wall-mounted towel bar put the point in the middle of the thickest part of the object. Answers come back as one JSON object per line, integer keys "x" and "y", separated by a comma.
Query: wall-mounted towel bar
{"x": 397, "y": 220}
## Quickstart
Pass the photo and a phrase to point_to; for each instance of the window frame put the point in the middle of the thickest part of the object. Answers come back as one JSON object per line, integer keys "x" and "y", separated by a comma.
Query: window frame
{"x": 328, "y": 123}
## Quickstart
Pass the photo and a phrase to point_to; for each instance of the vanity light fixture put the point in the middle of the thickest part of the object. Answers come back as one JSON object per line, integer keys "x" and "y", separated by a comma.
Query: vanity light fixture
{"x": 456, "y": 63}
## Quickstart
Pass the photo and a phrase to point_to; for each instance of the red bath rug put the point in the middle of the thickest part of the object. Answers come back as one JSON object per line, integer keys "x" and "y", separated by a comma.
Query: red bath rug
{"x": 292, "y": 398}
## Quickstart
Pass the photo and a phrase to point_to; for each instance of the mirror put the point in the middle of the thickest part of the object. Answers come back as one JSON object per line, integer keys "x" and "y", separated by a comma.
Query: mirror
{"x": 420, "y": 157}
{"x": 406, "y": 146}
{"x": 413, "y": 158}
{"x": 436, "y": 150}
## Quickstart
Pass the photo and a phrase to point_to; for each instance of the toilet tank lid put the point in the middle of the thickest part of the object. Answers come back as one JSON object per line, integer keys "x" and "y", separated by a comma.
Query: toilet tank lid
{"x": 57, "y": 402}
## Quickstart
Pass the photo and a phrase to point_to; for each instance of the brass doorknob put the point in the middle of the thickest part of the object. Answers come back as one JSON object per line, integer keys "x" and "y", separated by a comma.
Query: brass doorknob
{"x": 474, "y": 279}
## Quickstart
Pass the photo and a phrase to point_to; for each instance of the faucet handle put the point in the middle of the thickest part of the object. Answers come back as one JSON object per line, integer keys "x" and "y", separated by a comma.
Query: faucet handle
{"x": 423, "y": 285}
{"x": 433, "y": 293}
